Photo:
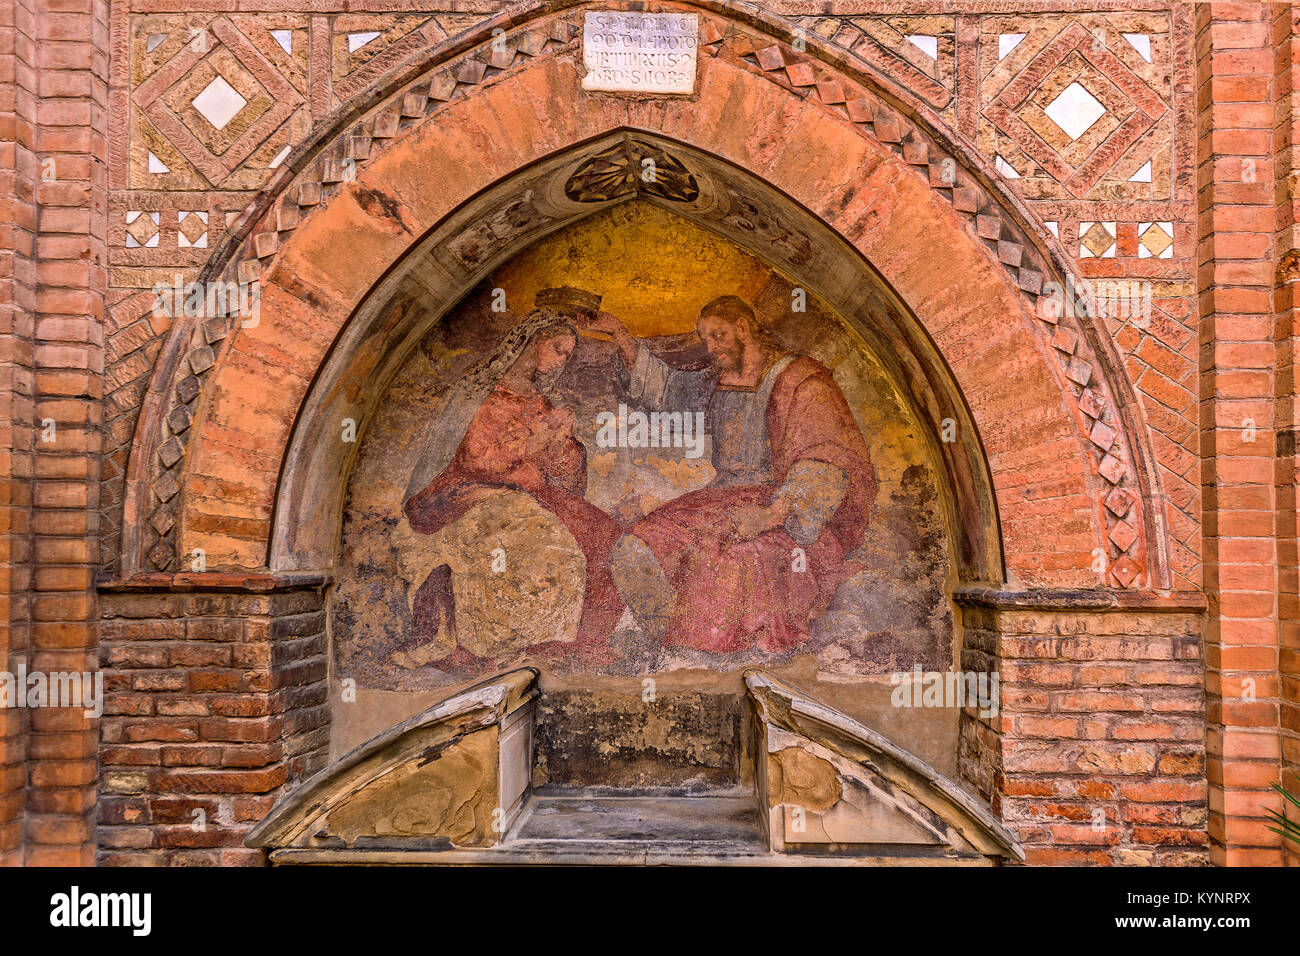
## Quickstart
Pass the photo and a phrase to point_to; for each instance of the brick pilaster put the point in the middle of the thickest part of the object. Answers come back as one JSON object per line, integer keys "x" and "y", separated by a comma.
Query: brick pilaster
{"x": 18, "y": 172}
{"x": 1235, "y": 206}
{"x": 1286, "y": 40}
{"x": 1097, "y": 754}
{"x": 72, "y": 279}
{"x": 217, "y": 702}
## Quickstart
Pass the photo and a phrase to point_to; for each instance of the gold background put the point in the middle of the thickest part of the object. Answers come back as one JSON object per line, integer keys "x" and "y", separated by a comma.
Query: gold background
{"x": 651, "y": 266}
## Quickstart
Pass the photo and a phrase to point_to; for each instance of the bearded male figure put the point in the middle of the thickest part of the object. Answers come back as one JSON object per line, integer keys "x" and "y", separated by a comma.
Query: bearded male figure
{"x": 752, "y": 558}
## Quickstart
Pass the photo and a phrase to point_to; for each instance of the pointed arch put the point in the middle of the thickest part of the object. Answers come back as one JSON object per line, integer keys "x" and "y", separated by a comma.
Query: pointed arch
{"x": 1046, "y": 473}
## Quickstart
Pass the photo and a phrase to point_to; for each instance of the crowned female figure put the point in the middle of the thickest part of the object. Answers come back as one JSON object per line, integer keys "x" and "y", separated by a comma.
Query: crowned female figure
{"x": 499, "y": 438}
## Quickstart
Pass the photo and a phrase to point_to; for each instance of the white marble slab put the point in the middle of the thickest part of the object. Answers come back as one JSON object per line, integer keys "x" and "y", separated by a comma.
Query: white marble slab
{"x": 640, "y": 52}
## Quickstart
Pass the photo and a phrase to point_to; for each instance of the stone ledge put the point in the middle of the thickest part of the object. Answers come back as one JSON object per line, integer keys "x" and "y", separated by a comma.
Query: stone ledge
{"x": 255, "y": 582}
{"x": 1072, "y": 599}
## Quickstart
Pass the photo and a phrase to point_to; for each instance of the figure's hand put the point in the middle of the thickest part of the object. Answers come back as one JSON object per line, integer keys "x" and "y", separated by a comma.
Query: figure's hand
{"x": 611, "y": 325}
{"x": 527, "y": 476}
{"x": 607, "y": 323}
{"x": 753, "y": 520}
{"x": 564, "y": 420}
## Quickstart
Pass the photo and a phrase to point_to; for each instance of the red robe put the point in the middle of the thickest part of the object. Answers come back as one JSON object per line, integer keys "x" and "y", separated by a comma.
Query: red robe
{"x": 734, "y": 595}
{"x": 523, "y": 443}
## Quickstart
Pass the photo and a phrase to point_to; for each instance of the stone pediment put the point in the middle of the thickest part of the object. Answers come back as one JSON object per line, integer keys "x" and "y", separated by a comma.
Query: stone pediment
{"x": 831, "y": 784}
{"x": 452, "y": 776}
{"x": 454, "y": 785}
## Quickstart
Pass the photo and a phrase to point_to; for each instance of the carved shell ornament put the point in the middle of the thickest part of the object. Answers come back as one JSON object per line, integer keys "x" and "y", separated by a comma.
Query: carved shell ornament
{"x": 632, "y": 167}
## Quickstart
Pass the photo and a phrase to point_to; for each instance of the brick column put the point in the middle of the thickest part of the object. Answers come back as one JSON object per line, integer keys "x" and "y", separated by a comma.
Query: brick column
{"x": 1286, "y": 41}
{"x": 72, "y": 279}
{"x": 1235, "y": 207}
{"x": 217, "y": 702}
{"x": 1097, "y": 756}
{"x": 18, "y": 172}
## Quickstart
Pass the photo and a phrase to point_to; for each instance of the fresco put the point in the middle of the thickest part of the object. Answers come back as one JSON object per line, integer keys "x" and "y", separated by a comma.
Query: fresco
{"x": 638, "y": 448}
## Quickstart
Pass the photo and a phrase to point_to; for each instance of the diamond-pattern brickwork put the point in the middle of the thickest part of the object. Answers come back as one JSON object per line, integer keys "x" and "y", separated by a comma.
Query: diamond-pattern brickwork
{"x": 789, "y": 69}
{"x": 1119, "y": 193}
{"x": 993, "y": 77}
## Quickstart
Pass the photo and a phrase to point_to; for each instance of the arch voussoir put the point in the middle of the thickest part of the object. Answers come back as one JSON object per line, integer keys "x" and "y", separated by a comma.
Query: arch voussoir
{"x": 837, "y": 149}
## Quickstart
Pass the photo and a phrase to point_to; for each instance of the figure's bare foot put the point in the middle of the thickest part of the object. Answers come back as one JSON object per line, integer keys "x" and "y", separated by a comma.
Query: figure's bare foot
{"x": 596, "y": 655}
{"x": 552, "y": 649}
{"x": 645, "y": 589}
{"x": 459, "y": 660}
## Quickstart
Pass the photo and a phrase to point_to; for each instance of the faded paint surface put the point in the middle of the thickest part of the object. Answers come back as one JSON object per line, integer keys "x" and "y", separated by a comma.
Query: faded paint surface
{"x": 929, "y": 732}
{"x": 451, "y": 797}
{"x": 595, "y": 738}
{"x": 890, "y": 616}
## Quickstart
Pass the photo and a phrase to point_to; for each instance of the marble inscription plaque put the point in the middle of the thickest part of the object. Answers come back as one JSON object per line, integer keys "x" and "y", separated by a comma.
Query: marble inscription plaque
{"x": 640, "y": 52}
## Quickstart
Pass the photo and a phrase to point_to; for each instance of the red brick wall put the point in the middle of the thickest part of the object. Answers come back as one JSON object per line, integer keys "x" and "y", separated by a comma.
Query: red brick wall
{"x": 55, "y": 88}
{"x": 1236, "y": 201}
{"x": 18, "y": 174}
{"x": 261, "y": 384}
{"x": 1073, "y": 731}
{"x": 1098, "y": 754}
{"x": 199, "y": 661}
{"x": 216, "y": 701}
{"x": 1286, "y": 40}
{"x": 72, "y": 277}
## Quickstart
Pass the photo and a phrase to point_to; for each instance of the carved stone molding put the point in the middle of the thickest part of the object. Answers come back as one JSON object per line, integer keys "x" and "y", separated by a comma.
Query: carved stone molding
{"x": 632, "y": 168}
{"x": 831, "y": 80}
{"x": 825, "y": 780}
{"x": 455, "y": 775}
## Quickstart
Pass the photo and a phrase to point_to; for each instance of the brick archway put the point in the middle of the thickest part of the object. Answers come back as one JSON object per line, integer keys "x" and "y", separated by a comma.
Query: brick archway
{"x": 1053, "y": 440}
{"x": 417, "y": 292}
{"x": 1064, "y": 460}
